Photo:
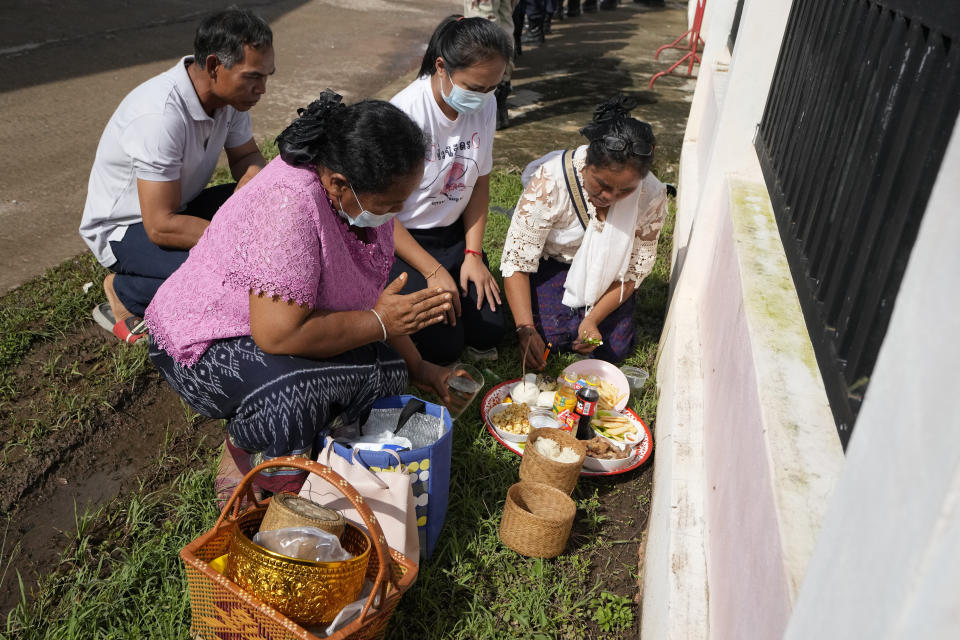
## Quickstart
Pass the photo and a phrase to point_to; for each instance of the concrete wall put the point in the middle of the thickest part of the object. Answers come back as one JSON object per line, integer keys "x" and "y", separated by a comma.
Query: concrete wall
{"x": 886, "y": 564}
{"x": 748, "y": 456}
{"x": 760, "y": 528}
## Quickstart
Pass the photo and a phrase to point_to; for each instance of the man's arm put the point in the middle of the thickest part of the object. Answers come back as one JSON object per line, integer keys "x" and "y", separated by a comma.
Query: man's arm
{"x": 159, "y": 202}
{"x": 245, "y": 161}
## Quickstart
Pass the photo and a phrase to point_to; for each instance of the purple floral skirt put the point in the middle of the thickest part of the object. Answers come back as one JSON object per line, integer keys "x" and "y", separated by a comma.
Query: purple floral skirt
{"x": 560, "y": 324}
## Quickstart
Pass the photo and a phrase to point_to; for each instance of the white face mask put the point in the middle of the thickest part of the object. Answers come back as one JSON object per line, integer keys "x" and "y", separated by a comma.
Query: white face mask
{"x": 366, "y": 218}
{"x": 463, "y": 100}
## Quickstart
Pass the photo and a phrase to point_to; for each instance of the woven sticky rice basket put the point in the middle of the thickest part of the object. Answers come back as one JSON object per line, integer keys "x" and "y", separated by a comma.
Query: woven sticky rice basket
{"x": 536, "y": 467}
{"x": 536, "y": 519}
{"x": 290, "y": 510}
{"x": 221, "y": 609}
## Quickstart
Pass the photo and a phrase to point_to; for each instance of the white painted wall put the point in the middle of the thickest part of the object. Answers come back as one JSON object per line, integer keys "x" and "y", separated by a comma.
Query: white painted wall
{"x": 760, "y": 528}
{"x": 752, "y": 455}
{"x": 887, "y": 564}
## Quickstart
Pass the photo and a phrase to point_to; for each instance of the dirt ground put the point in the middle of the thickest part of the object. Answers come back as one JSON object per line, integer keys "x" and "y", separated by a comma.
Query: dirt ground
{"x": 56, "y": 55}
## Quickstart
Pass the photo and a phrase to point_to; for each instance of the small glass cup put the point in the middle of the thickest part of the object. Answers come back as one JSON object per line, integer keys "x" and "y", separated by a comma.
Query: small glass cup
{"x": 636, "y": 378}
{"x": 462, "y": 387}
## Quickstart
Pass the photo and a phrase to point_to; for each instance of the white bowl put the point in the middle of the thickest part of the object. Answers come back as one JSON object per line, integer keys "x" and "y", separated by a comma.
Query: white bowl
{"x": 606, "y": 371}
{"x": 543, "y": 418}
{"x": 506, "y": 435}
{"x": 599, "y": 464}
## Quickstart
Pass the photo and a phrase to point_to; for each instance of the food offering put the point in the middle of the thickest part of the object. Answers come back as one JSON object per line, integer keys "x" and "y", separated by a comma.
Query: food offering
{"x": 617, "y": 439}
{"x": 550, "y": 449}
{"x": 526, "y": 391}
{"x": 606, "y": 457}
{"x": 609, "y": 380}
{"x": 616, "y": 427}
{"x": 602, "y": 449}
{"x": 512, "y": 421}
{"x": 534, "y": 390}
{"x": 610, "y": 395}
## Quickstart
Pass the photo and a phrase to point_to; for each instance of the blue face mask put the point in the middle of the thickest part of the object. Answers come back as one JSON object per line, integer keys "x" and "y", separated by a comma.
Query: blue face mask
{"x": 463, "y": 100}
{"x": 366, "y": 218}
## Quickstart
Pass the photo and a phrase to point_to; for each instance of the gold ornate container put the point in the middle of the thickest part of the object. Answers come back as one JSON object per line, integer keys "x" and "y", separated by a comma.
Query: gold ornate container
{"x": 310, "y": 593}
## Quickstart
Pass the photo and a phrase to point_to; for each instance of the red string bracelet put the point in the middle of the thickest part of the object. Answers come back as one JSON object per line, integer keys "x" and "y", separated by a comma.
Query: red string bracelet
{"x": 471, "y": 252}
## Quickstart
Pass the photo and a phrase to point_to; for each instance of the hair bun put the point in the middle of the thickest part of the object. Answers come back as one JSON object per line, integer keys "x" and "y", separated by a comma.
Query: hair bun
{"x": 328, "y": 101}
{"x": 607, "y": 115}
{"x": 614, "y": 109}
{"x": 311, "y": 124}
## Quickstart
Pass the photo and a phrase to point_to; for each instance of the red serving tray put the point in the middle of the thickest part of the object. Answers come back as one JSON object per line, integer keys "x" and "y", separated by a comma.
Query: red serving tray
{"x": 499, "y": 393}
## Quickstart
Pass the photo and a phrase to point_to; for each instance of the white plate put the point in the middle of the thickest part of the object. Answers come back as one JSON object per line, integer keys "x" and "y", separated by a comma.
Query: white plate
{"x": 606, "y": 371}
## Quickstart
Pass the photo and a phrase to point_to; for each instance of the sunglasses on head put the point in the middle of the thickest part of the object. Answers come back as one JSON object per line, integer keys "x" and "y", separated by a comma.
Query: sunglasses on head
{"x": 639, "y": 148}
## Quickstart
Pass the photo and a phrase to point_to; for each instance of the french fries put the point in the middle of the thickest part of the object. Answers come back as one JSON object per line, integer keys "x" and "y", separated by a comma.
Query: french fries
{"x": 609, "y": 395}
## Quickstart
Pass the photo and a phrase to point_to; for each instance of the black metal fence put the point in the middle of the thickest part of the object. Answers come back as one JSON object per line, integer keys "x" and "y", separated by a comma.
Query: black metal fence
{"x": 862, "y": 104}
{"x": 735, "y": 27}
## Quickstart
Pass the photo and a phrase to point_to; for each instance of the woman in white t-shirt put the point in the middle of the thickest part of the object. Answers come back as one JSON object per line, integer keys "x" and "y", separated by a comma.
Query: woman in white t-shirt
{"x": 439, "y": 233}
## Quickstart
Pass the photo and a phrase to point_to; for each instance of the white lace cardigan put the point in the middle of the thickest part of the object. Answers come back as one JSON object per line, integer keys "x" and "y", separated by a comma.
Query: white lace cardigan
{"x": 545, "y": 225}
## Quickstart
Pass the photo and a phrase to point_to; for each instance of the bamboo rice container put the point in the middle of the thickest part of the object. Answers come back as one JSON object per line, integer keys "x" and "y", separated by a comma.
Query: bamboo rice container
{"x": 536, "y": 467}
{"x": 290, "y": 510}
{"x": 537, "y": 520}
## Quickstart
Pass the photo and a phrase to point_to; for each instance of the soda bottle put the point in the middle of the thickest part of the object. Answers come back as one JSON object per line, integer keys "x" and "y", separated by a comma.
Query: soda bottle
{"x": 587, "y": 398}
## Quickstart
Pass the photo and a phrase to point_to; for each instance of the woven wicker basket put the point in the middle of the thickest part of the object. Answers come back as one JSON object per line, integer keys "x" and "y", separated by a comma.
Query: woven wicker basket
{"x": 221, "y": 609}
{"x": 290, "y": 510}
{"x": 536, "y": 467}
{"x": 536, "y": 520}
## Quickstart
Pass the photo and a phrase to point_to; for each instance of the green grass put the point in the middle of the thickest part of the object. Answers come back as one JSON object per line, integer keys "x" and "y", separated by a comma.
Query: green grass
{"x": 47, "y": 307}
{"x": 122, "y": 577}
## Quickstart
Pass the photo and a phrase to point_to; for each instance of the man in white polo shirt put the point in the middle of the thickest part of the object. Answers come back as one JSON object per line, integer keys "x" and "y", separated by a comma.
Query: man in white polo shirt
{"x": 146, "y": 202}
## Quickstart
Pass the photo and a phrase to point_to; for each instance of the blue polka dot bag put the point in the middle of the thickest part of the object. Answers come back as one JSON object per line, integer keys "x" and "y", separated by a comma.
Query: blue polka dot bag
{"x": 430, "y": 428}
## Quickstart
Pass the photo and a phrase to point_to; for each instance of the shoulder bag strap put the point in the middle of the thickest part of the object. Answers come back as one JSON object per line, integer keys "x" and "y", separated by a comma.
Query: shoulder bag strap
{"x": 575, "y": 188}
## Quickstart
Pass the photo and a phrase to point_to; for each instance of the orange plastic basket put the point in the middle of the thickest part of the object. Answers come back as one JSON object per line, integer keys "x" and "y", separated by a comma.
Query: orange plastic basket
{"x": 222, "y": 610}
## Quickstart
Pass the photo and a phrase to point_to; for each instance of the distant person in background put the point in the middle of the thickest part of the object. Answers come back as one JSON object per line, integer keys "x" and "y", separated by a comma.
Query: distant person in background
{"x": 439, "y": 232}
{"x": 500, "y": 12}
{"x": 538, "y": 14}
{"x": 147, "y": 204}
{"x": 582, "y": 239}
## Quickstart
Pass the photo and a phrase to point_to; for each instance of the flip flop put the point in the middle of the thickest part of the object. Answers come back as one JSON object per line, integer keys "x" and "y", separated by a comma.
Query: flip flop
{"x": 129, "y": 330}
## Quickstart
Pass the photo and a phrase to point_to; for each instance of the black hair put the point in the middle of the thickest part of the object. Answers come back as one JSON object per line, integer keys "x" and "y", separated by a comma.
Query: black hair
{"x": 370, "y": 142}
{"x": 612, "y": 119}
{"x": 225, "y": 33}
{"x": 463, "y": 42}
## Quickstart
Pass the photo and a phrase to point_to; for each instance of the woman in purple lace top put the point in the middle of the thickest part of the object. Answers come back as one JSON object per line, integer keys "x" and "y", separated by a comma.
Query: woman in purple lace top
{"x": 281, "y": 318}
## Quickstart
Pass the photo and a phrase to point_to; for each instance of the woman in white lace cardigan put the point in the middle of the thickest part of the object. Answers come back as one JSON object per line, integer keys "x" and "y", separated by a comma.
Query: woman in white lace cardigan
{"x": 582, "y": 239}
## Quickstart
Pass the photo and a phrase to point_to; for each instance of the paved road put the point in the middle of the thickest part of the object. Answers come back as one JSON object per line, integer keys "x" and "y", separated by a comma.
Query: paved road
{"x": 66, "y": 66}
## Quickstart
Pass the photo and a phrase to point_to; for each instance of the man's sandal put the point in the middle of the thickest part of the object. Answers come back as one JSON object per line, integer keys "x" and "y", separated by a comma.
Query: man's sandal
{"x": 129, "y": 330}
